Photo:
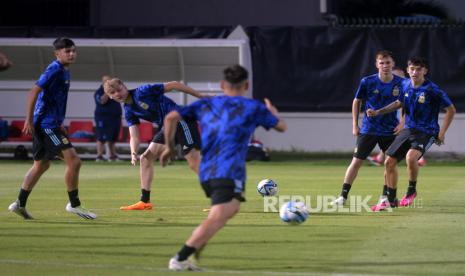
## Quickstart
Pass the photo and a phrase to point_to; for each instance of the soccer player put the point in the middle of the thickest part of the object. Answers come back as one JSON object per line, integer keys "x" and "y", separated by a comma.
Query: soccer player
{"x": 422, "y": 100}
{"x": 46, "y": 109}
{"x": 378, "y": 159}
{"x": 227, "y": 123}
{"x": 374, "y": 91}
{"x": 148, "y": 102}
{"x": 107, "y": 117}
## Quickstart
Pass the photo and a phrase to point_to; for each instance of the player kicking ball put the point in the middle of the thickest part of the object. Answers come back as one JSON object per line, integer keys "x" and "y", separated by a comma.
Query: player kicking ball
{"x": 149, "y": 102}
{"x": 46, "y": 107}
{"x": 227, "y": 123}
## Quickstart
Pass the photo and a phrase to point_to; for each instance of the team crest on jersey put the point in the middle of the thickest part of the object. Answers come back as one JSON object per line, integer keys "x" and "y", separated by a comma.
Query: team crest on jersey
{"x": 376, "y": 91}
{"x": 143, "y": 105}
{"x": 406, "y": 94}
{"x": 64, "y": 140}
{"x": 395, "y": 91}
{"x": 421, "y": 99}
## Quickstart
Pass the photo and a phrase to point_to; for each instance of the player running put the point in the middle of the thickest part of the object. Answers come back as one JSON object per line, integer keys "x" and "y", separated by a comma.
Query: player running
{"x": 374, "y": 91}
{"x": 227, "y": 123}
{"x": 422, "y": 100}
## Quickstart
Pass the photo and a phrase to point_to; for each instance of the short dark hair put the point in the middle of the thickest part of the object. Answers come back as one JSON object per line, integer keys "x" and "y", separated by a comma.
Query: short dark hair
{"x": 62, "y": 42}
{"x": 384, "y": 53}
{"x": 235, "y": 74}
{"x": 418, "y": 61}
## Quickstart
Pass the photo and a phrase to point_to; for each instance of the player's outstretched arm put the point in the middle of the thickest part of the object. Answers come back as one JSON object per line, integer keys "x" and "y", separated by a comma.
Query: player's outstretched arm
{"x": 281, "y": 125}
{"x": 387, "y": 109}
{"x": 170, "y": 123}
{"x": 450, "y": 113}
{"x": 134, "y": 143}
{"x": 175, "y": 85}
{"x": 31, "y": 103}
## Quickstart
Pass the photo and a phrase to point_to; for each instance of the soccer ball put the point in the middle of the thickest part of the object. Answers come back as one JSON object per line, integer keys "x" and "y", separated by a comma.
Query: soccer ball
{"x": 293, "y": 212}
{"x": 267, "y": 187}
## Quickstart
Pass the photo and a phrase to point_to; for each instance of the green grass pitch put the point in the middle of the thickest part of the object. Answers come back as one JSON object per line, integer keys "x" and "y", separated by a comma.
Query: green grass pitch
{"x": 407, "y": 241}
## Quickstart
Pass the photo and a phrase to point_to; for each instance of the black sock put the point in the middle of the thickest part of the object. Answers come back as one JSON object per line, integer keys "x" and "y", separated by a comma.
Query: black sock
{"x": 185, "y": 252}
{"x": 385, "y": 190}
{"x": 345, "y": 190}
{"x": 74, "y": 198}
{"x": 391, "y": 194}
{"x": 412, "y": 188}
{"x": 22, "y": 197}
{"x": 145, "y": 196}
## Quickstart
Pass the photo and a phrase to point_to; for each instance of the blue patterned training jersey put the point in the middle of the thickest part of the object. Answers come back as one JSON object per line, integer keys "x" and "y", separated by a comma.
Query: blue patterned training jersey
{"x": 226, "y": 124}
{"x": 149, "y": 103}
{"x": 376, "y": 94}
{"x": 50, "y": 106}
{"x": 422, "y": 106}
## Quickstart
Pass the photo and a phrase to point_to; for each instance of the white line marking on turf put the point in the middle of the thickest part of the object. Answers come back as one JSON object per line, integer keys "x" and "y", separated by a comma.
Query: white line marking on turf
{"x": 159, "y": 269}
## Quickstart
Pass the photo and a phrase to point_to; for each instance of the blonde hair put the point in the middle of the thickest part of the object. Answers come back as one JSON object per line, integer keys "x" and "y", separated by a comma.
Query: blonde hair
{"x": 112, "y": 84}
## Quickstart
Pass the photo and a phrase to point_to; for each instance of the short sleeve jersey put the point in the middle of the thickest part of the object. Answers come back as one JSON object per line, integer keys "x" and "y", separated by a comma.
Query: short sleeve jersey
{"x": 226, "y": 123}
{"x": 50, "y": 108}
{"x": 109, "y": 110}
{"x": 422, "y": 106}
{"x": 149, "y": 103}
{"x": 376, "y": 94}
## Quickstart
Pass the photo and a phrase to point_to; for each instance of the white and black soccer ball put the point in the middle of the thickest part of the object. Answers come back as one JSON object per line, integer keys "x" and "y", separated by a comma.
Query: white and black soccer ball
{"x": 293, "y": 212}
{"x": 267, "y": 187}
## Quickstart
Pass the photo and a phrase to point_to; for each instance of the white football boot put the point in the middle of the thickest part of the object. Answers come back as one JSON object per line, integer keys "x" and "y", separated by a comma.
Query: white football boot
{"x": 176, "y": 265}
{"x": 80, "y": 211}
{"x": 20, "y": 211}
{"x": 340, "y": 201}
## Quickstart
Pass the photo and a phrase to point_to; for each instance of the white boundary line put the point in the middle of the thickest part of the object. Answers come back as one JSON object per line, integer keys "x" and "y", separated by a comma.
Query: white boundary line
{"x": 159, "y": 269}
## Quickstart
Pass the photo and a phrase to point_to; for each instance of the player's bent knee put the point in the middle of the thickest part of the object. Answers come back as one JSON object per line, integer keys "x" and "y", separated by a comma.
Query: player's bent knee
{"x": 73, "y": 161}
{"x": 147, "y": 158}
{"x": 412, "y": 158}
{"x": 390, "y": 163}
{"x": 42, "y": 166}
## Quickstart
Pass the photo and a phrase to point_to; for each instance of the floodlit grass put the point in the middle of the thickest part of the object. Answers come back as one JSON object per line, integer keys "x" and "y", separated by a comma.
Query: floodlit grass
{"x": 427, "y": 240}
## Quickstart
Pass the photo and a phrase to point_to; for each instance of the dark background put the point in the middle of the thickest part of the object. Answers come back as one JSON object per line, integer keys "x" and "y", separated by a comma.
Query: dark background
{"x": 304, "y": 60}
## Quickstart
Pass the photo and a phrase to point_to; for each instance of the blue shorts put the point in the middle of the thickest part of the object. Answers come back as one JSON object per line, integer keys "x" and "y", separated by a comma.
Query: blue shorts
{"x": 107, "y": 130}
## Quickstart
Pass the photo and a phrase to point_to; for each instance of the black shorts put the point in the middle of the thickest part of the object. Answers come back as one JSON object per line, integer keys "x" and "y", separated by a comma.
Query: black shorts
{"x": 48, "y": 143}
{"x": 107, "y": 129}
{"x": 187, "y": 135}
{"x": 410, "y": 139}
{"x": 223, "y": 190}
{"x": 366, "y": 143}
